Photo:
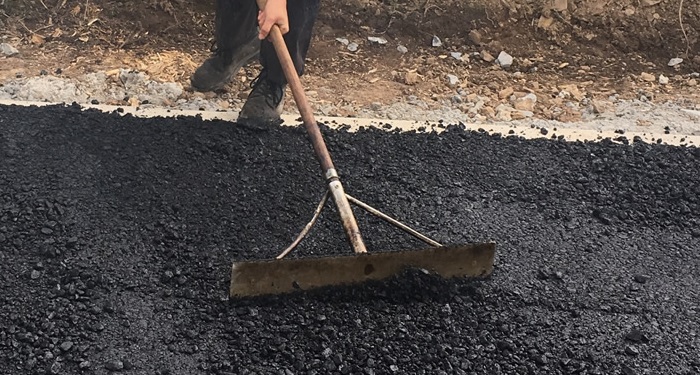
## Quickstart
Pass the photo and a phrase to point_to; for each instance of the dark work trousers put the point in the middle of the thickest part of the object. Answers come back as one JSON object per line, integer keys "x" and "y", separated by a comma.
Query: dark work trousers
{"x": 237, "y": 21}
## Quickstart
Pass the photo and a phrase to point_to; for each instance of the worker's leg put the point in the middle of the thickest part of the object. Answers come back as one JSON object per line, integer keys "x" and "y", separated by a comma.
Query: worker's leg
{"x": 265, "y": 102}
{"x": 236, "y": 44}
{"x": 302, "y": 16}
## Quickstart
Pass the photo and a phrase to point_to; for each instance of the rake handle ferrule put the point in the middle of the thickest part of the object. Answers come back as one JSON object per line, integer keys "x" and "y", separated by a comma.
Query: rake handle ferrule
{"x": 346, "y": 215}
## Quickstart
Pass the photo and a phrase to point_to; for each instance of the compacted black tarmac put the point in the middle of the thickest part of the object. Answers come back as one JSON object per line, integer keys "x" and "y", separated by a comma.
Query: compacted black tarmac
{"x": 117, "y": 235}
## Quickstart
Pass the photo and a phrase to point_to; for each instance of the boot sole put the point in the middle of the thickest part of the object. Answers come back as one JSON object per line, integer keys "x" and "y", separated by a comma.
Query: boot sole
{"x": 236, "y": 66}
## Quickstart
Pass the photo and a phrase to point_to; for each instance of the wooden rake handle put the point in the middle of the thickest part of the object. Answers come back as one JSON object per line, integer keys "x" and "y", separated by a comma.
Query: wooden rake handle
{"x": 336, "y": 188}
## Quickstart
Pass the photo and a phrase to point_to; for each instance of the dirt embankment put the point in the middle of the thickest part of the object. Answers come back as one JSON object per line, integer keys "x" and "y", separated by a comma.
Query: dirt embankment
{"x": 655, "y": 28}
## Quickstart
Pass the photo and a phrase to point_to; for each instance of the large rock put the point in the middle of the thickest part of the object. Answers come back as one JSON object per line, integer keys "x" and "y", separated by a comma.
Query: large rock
{"x": 526, "y": 103}
{"x": 8, "y": 50}
{"x": 504, "y": 59}
{"x": 452, "y": 79}
{"x": 506, "y": 93}
{"x": 411, "y": 78}
{"x": 475, "y": 37}
{"x": 647, "y": 77}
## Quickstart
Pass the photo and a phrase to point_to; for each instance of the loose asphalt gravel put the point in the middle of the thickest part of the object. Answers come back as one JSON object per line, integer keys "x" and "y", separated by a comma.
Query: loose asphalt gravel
{"x": 117, "y": 235}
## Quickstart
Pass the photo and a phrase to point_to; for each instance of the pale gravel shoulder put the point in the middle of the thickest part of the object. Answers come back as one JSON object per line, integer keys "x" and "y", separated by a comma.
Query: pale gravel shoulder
{"x": 625, "y": 115}
{"x": 621, "y": 115}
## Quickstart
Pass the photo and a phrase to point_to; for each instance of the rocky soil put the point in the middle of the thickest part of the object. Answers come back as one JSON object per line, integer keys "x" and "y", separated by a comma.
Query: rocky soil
{"x": 573, "y": 109}
{"x": 117, "y": 236}
{"x": 476, "y": 61}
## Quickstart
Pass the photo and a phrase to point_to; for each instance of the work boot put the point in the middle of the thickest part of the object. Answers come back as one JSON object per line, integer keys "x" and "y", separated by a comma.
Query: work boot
{"x": 218, "y": 70}
{"x": 264, "y": 104}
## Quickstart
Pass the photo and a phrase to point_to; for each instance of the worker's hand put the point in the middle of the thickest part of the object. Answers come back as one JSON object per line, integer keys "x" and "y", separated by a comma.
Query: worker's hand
{"x": 275, "y": 13}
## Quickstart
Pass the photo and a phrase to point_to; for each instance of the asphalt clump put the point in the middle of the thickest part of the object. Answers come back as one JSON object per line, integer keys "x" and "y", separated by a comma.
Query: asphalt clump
{"x": 118, "y": 234}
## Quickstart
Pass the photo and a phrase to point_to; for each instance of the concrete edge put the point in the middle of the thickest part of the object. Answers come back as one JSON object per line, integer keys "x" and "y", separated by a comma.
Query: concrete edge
{"x": 354, "y": 124}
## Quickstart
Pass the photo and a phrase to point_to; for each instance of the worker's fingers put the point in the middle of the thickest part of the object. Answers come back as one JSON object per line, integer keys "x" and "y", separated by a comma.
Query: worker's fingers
{"x": 284, "y": 26}
{"x": 261, "y": 22}
{"x": 266, "y": 26}
{"x": 267, "y": 19}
